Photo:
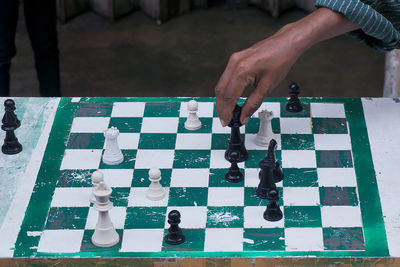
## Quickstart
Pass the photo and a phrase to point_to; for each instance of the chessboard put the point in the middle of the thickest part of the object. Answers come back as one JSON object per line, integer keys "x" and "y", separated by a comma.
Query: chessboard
{"x": 329, "y": 196}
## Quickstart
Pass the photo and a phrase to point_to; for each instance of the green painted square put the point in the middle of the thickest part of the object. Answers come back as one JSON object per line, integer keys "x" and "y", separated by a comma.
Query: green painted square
{"x": 74, "y": 178}
{"x": 217, "y": 179}
{"x": 251, "y": 198}
{"x": 334, "y": 158}
{"x": 85, "y": 141}
{"x": 220, "y": 141}
{"x": 157, "y": 141}
{"x": 94, "y": 110}
{"x": 194, "y": 241}
{"x": 224, "y": 217}
{"x": 253, "y": 126}
{"x": 338, "y": 196}
{"x": 263, "y": 239}
{"x": 329, "y": 126}
{"x": 88, "y": 246}
{"x": 167, "y": 109}
{"x": 127, "y": 125}
{"x": 302, "y": 216}
{"x": 188, "y": 196}
{"x": 141, "y": 177}
{"x": 67, "y": 218}
{"x": 145, "y": 217}
{"x": 119, "y": 196}
{"x": 305, "y": 177}
{"x": 304, "y": 113}
{"x": 128, "y": 163}
{"x": 297, "y": 141}
{"x": 192, "y": 159}
{"x": 255, "y": 156}
{"x": 350, "y": 238}
{"x": 206, "y": 126}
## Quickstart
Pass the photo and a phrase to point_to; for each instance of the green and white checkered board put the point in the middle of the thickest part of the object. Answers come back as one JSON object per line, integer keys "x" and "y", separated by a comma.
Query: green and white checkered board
{"x": 319, "y": 193}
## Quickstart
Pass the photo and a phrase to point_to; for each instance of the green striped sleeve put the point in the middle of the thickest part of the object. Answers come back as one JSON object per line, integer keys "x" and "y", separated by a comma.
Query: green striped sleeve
{"x": 379, "y": 20}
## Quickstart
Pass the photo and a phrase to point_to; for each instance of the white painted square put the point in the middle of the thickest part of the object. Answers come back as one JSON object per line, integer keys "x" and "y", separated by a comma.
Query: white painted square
{"x": 275, "y": 107}
{"x": 301, "y": 196}
{"x": 341, "y": 216}
{"x": 327, "y": 110}
{"x": 137, "y": 198}
{"x": 71, "y": 197}
{"x": 332, "y": 142}
{"x": 299, "y": 159}
{"x": 160, "y": 125}
{"x": 253, "y": 218}
{"x": 76, "y": 159}
{"x": 251, "y": 178}
{"x": 189, "y": 177}
{"x": 117, "y": 215}
{"x": 225, "y": 196}
{"x": 217, "y": 127}
{"x": 193, "y": 141}
{"x": 142, "y": 240}
{"x": 295, "y": 125}
{"x": 127, "y": 140}
{"x": 149, "y": 158}
{"x": 304, "y": 239}
{"x": 191, "y": 217}
{"x": 90, "y": 124}
{"x": 60, "y": 241}
{"x": 75, "y": 99}
{"x": 337, "y": 177}
{"x": 217, "y": 160}
{"x": 128, "y": 109}
{"x": 205, "y": 109}
{"x": 250, "y": 142}
{"x": 223, "y": 239}
{"x": 117, "y": 177}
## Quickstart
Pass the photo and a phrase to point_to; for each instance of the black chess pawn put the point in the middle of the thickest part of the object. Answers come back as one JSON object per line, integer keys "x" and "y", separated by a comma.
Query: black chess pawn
{"x": 294, "y": 104}
{"x": 174, "y": 235}
{"x": 236, "y": 151}
{"x": 273, "y": 212}
{"x": 10, "y": 122}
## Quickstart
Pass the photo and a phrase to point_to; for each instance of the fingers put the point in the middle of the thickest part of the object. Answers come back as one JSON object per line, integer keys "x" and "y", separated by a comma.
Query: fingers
{"x": 254, "y": 102}
{"x": 229, "y": 100}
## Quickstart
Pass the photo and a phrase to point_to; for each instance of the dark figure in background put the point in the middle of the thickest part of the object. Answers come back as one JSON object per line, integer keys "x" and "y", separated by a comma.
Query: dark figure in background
{"x": 40, "y": 18}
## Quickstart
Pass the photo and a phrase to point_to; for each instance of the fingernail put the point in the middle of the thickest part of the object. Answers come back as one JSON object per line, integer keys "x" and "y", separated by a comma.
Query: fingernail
{"x": 245, "y": 120}
{"x": 223, "y": 122}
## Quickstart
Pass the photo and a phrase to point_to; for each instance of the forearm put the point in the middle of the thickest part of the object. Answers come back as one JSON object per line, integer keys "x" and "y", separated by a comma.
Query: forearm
{"x": 320, "y": 25}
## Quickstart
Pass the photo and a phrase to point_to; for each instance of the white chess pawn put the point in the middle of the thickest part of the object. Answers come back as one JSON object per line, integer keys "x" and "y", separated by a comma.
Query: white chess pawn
{"x": 97, "y": 177}
{"x": 192, "y": 123}
{"x": 265, "y": 133}
{"x": 112, "y": 153}
{"x": 104, "y": 234}
{"x": 155, "y": 191}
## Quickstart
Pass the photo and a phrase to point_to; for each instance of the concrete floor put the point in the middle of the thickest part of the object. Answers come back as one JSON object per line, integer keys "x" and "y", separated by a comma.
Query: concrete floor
{"x": 186, "y": 55}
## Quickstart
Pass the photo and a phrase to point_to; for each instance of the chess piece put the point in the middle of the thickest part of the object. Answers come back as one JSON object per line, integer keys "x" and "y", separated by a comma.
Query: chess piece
{"x": 97, "y": 177}
{"x": 104, "y": 234}
{"x": 273, "y": 212}
{"x": 278, "y": 173}
{"x": 266, "y": 176}
{"x": 112, "y": 153}
{"x": 10, "y": 122}
{"x": 265, "y": 133}
{"x": 174, "y": 235}
{"x": 155, "y": 191}
{"x": 192, "y": 123}
{"x": 294, "y": 104}
{"x": 236, "y": 151}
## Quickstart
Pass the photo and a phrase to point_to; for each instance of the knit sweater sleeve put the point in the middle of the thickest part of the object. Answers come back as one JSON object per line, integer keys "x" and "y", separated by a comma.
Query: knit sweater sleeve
{"x": 379, "y": 20}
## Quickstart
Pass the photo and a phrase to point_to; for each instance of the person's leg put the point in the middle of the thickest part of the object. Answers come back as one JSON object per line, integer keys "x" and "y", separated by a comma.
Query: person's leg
{"x": 8, "y": 26}
{"x": 40, "y": 17}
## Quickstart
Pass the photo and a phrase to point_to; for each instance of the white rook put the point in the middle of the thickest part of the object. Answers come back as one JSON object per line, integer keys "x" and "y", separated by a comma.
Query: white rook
{"x": 104, "y": 234}
{"x": 265, "y": 133}
{"x": 112, "y": 154}
{"x": 192, "y": 123}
